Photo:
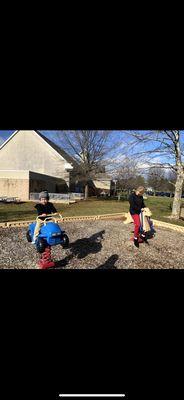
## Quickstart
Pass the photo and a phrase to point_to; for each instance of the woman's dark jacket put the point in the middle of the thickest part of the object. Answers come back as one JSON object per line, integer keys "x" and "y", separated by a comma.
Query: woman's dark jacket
{"x": 136, "y": 203}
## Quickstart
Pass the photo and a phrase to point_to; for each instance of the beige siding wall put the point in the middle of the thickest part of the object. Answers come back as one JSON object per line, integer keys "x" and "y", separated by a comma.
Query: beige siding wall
{"x": 14, "y": 188}
{"x": 27, "y": 151}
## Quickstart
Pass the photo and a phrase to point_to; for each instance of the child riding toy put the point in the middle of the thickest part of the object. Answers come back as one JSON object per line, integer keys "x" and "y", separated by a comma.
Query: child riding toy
{"x": 50, "y": 234}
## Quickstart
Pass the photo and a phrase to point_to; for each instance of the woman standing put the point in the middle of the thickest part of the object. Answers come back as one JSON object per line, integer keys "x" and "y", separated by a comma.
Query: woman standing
{"x": 136, "y": 204}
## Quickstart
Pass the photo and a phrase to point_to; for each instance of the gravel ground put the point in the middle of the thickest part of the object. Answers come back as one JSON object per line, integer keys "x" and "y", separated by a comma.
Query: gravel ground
{"x": 96, "y": 244}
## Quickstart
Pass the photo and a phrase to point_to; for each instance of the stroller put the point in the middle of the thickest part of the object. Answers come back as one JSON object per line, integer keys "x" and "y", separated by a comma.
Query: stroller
{"x": 147, "y": 230}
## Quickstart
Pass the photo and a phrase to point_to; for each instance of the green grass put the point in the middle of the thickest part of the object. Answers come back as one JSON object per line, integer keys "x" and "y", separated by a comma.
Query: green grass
{"x": 25, "y": 211}
{"x": 159, "y": 206}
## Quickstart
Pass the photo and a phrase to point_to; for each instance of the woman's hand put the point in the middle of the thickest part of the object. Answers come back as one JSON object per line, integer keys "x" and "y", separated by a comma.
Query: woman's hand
{"x": 43, "y": 215}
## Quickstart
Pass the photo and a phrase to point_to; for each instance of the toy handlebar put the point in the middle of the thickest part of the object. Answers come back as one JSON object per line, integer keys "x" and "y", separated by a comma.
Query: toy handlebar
{"x": 49, "y": 216}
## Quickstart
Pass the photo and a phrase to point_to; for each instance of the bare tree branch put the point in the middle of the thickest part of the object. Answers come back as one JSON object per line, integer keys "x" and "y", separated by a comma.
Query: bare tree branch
{"x": 166, "y": 144}
{"x": 90, "y": 149}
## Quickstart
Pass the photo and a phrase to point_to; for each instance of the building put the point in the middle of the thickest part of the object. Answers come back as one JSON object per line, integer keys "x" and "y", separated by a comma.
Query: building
{"x": 101, "y": 185}
{"x": 29, "y": 162}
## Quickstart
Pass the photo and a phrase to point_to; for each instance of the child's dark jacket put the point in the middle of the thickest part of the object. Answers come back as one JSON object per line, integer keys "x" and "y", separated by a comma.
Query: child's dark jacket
{"x": 136, "y": 204}
{"x": 45, "y": 209}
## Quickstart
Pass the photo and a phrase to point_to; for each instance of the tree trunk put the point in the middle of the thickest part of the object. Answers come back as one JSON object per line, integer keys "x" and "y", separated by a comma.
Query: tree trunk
{"x": 86, "y": 192}
{"x": 179, "y": 178}
{"x": 177, "y": 196}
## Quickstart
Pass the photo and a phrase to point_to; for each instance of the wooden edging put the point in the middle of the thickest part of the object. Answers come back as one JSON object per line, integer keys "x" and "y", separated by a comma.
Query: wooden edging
{"x": 162, "y": 224}
{"x": 14, "y": 224}
{"x": 168, "y": 226}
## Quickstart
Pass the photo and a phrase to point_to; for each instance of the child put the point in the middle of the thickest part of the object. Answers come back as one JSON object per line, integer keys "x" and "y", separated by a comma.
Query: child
{"x": 136, "y": 205}
{"x": 43, "y": 208}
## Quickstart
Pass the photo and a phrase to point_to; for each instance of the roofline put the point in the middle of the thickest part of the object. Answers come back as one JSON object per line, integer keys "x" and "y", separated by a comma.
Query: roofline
{"x": 41, "y": 137}
{"x": 66, "y": 162}
{"x": 45, "y": 139}
{"x": 7, "y": 140}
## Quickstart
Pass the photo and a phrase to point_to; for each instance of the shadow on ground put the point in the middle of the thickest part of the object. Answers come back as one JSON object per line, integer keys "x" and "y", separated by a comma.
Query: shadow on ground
{"x": 110, "y": 263}
{"x": 81, "y": 248}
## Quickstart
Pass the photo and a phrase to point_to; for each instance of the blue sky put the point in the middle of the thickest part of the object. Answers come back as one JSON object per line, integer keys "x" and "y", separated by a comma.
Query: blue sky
{"x": 117, "y": 135}
{"x": 50, "y": 134}
{"x": 4, "y": 135}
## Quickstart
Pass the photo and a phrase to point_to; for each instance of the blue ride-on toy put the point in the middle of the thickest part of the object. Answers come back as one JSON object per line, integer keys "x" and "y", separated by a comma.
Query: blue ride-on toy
{"x": 50, "y": 234}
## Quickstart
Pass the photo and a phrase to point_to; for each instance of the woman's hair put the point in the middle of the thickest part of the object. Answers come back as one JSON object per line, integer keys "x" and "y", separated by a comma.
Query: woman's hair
{"x": 140, "y": 189}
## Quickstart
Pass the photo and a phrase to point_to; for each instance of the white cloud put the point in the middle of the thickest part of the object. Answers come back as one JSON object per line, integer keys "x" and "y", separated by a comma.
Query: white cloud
{"x": 143, "y": 166}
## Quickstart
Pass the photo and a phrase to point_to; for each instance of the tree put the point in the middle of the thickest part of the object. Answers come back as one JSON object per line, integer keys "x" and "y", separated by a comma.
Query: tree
{"x": 171, "y": 179}
{"x": 164, "y": 149}
{"x": 89, "y": 149}
{"x": 128, "y": 175}
{"x": 157, "y": 180}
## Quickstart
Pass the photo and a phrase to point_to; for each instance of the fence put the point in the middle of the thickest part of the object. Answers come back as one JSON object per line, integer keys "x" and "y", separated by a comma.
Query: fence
{"x": 59, "y": 196}
{"x": 5, "y": 199}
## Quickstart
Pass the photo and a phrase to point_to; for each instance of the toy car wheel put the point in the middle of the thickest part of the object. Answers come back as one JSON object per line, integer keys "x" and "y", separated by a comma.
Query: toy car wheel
{"x": 28, "y": 236}
{"x": 41, "y": 244}
{"x": 65, "y": 243}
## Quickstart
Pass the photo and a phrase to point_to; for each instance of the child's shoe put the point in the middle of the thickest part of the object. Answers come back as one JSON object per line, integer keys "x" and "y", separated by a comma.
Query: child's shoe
{"x": 136, "y": 242}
